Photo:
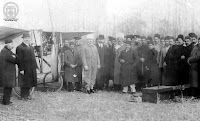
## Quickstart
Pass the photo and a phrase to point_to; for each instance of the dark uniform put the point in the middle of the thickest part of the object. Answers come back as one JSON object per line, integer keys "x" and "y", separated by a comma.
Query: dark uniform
{"x": 27, "y": 63}
{"x": 7, "y": 73}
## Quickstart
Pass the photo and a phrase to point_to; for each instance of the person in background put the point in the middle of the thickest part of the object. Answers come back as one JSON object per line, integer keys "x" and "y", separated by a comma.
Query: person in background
{"x": 128, "y": 75}
{"x": 7, "y": 71}
{"x": 27, "y": 76}
{"x": 156, "y": 42}
{"x": 70, "y": 65}
{"x": 142, "y": 70}
{"x": 154, "y": 73}
{"x": 118, "y": 48}
{"x": 91, "y": 63}
{"x": 193, "y": 61}
{"x": 102, "y": 48}
{"x": 62, "y": 52}
{"x": 78, "y": 60}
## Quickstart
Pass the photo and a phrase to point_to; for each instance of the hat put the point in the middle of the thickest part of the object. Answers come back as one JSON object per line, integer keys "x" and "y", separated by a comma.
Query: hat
{"x": 150, "y": 42}
{"x": 129, "y": 36}
{"x": 77, "y": 38}
{"x": 137, "y": 36}
{"x": 8, "y": 41}
{"x": 25, "y": 35}
{"x": 101, "y": 37}
{"x": 191, "y": 34}
{"x": 128, "y": 42}
{"x": 118, "y": 35}
{"x": 187, "y": 37}
{"x": 90, "y": 36}
{"x": 167, "y": 37}
{"x": 111, "y": 38}
{"x": 149, "y": 38}
{"x": 143, "y": 37}
{"x": 157, "y": 35}
{"x": 181, "y": 36}
{"x": 71, "y": 43}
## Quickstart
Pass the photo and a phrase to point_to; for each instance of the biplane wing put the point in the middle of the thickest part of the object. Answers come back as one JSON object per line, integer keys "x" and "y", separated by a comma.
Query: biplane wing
{"x": 10, "y": 33}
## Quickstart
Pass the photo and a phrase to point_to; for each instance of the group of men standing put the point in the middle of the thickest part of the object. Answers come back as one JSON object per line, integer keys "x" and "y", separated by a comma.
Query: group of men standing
{"x": 133, "y": 62}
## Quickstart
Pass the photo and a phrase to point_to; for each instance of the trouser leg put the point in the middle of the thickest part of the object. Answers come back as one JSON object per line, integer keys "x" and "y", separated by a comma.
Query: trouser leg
{"x": 125, "y": 89}
{"x": 132, "y": 88}
{"x": 7, "y": 94}
{"x": 70, "y": 86}
{"x": 25, "y": 92}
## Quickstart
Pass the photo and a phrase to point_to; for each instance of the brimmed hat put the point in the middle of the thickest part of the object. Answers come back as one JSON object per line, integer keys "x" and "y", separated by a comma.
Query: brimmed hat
{"x": 181, "y": 36}
{"x": 8, "y": 41}
{"x": 25, "y": 35}
{"x": 101, "y": 37}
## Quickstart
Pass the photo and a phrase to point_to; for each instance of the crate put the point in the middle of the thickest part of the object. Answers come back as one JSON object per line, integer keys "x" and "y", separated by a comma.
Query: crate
{"x": 158, "y": 93}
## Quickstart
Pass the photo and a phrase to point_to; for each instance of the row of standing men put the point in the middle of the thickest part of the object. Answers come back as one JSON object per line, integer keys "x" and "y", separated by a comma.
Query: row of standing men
{"x": 132, "y": 62}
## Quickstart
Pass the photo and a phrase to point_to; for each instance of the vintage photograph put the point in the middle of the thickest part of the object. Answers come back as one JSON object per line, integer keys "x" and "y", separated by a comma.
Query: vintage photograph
{"x": 99, "y": 60}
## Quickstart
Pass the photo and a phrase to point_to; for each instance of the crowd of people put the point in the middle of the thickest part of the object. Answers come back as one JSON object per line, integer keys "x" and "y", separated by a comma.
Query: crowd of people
{"x": 121, "y": 63}
{"x": 132, "y": 62}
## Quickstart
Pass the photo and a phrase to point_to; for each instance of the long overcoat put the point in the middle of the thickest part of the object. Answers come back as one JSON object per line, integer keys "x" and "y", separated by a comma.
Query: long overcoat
{"x": 117, "y": 65}
{"x": 26, "y": 63}
{"x": 128, "y": 74}
{"x": 7, "y": 68}
{"x": 70, "y": 73}
{"x": 194, "y": 67}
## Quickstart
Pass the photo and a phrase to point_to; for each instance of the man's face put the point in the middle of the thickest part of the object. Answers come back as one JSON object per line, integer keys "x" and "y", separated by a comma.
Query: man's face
{"x": 156, "y": 40}
{"x": 71, "y": 47}
{"x": 77, "y": 42}
{"x": 167, "y": 42}
{"x": 171, "y": 41}
{"x": 27, "y": 40}
{"x": 151, "y": 46}
{"x": 66, "y": 44}
{"x": 162, "y": 42}
{"x": 188, "y": 41}
{"x": 180, "y": 41}
{"x": 143, "y": 41}
{"x": 120, "y": 40}
{"x": 128, "y": 46}
{"x": 10, "y": 46}
{"x": 194, "y": 40}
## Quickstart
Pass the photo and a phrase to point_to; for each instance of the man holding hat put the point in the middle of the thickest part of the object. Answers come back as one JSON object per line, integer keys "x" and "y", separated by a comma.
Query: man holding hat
{"x": 7, "y": 71}
{"x": 128, "y": 75}
{"x": 91, "y": 63}
{"x": 27, "y": 67}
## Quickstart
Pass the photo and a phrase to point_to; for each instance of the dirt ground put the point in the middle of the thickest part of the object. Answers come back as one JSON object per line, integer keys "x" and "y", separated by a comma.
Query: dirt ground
{"x": 101, "y": 106}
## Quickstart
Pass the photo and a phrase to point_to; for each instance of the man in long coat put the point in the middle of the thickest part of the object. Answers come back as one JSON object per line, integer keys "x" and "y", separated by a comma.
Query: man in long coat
{"x": 27, "y": 67}
{"x": 101, "y": 47}
{"x": 7, "y": 71}
{"x": 78, "y": 60}
{"x": 128, "y": 75}
{"x": 91, "y": 63}
{"x": 193, "y": 60}
{"x": 70, "y": 65}
{"x": 118, "y": 48}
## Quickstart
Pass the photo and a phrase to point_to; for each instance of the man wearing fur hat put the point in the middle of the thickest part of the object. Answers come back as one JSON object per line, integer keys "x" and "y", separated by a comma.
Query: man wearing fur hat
{"x": 118, "y": 48}
{"x": 7, "y": 71}
{"x": 91, "y": 63}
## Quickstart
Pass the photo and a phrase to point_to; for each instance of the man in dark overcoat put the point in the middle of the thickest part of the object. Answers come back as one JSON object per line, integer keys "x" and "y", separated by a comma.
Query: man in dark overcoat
{"x": 128, "y": 76}
{"x": 101, "y": 47}
{"x": 7, "y": 71}
{"x": 70, "y": 65}
{"x": 27, "y": 67}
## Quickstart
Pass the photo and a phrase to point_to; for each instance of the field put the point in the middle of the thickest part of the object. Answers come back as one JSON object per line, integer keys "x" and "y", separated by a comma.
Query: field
{"x": 101, "y": 106}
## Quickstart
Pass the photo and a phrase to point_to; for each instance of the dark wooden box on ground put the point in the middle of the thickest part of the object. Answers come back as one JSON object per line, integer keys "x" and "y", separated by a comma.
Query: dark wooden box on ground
{"x": 156, "y": 94}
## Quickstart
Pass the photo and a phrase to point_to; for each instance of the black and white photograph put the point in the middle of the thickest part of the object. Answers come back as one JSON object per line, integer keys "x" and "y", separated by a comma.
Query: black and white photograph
{"x": 100, "y": 60}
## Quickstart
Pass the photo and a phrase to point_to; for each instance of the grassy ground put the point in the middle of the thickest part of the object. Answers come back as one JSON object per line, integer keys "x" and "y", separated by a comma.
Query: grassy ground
{"x": 101, "y": 106}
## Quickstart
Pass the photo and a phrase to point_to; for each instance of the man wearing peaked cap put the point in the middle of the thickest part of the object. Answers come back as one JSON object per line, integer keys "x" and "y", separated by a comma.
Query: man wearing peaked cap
{"x": 91, "y": 62}
{"x": 27, "y": 67}
{"x": 7, "y": 71}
